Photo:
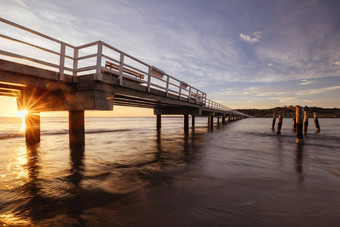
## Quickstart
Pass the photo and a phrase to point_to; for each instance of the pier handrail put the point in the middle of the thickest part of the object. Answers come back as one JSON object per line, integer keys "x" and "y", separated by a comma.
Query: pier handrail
{"x": 153, "y": 78}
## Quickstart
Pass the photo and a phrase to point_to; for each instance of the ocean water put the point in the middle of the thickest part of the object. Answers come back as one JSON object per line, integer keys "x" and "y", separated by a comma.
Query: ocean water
{"x": 239, "y": 174}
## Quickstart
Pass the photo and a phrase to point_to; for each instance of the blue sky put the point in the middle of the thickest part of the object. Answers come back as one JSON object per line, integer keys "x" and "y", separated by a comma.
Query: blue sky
{"x": 244, "y": 54}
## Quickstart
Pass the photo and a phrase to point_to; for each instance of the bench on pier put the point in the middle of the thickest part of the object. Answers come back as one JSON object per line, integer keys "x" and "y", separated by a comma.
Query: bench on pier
{"x": 129, "y": 72}
{"x": 196, "y": 97}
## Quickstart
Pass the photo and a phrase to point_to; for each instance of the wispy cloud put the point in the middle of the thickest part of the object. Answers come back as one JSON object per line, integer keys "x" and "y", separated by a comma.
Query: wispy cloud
{"x": 336, "y": 63}
{"x": 318, "y": 91}
{"x": 254, "y": 39}
{"x": 306, "y": 82}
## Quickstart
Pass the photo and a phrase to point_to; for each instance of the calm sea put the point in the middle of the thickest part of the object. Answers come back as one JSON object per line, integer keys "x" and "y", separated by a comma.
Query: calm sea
{"x": 241, "y": 174}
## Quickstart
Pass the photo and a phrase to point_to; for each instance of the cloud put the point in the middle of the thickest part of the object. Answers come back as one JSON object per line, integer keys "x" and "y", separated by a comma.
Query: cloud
{"x": 336, "y": 63}
{"x": 248, "y": 39}
{"x": 318, "y": 91}
{"x": 306, "y": 82}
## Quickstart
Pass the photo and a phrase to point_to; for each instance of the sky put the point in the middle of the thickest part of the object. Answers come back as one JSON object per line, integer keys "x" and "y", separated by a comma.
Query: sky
{"x": 242, "y": 53}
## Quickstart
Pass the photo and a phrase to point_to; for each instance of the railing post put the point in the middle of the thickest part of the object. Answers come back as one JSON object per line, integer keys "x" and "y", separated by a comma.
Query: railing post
{"x": 180, "y": 90}
{"x": 190, "y": 94}
{"x": 196, "y": 97}
{"x": 99, "y": 60}
{"x": 75, "y": 61}
{"x": 62, "y": 61}
{"x": 149, "y": 78}
{"x": 167, "y": 86}
{"x": 121, "y": 68}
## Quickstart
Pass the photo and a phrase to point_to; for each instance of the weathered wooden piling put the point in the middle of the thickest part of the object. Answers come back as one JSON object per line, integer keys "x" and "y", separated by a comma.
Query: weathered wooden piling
{"x": 274, "y": 119}
{"x": 218, "y": 120}
{"x": 159, "y": 121}
{"x": 299, "y": 125}
{"x": 305, "y": 122}
{"x": 211, "y": 121}
{"x": 316, "y": 121}
{"x": 279, "y": 123}
{"x": 223, "y": 120}
{"x": 186, "y": 122}
{"x": 294, "y": 123}
{"x": 32, "y": 130}
{"x": 193, "y": 121}
{"x": 77, "y": 128}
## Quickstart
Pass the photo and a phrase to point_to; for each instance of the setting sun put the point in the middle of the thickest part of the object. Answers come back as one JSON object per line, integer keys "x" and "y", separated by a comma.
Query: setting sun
{"x": 22, "y": 113}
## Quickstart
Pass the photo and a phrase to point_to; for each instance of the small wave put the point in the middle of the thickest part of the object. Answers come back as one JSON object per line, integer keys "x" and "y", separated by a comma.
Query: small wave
{"x": 336, "y": 172}
{"x": 107, "y": 130}
{"x": 3, "y": 137}
{"x": 88, "y": 131}
{"x": 10, "y": 136}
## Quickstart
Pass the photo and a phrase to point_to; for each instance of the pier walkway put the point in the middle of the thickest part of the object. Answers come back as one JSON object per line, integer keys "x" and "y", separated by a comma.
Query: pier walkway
{"x": 46, "y": 74}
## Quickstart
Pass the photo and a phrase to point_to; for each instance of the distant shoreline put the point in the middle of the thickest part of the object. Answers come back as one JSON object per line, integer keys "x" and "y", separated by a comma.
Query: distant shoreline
{"x": 290, "y": 112}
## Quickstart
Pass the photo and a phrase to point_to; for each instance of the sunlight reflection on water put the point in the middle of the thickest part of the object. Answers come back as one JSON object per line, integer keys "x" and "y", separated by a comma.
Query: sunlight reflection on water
{"x": 16, "y": 173}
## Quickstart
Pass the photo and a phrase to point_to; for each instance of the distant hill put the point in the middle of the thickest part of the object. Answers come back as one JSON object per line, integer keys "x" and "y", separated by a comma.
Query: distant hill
{"x": 290, "y": 111}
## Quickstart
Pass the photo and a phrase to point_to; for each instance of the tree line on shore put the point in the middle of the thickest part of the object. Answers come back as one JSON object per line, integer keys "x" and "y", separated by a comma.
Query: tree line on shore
{"x": 289, "y": 111}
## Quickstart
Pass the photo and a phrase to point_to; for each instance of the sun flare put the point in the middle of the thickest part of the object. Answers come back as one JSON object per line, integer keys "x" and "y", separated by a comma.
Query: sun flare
{"x": 22, "y": 113}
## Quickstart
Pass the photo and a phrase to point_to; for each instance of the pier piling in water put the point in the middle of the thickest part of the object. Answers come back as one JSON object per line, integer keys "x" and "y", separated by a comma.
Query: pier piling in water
{"x": 294, "y": 123}
{"x": 32, "y": 130}
{"x": 77, "y": 128}
{"x": 223, "y": 120}
{"x": 299, "y": 125}
{"x": 193, "y": 121}
{"x": 316, "y": 121}
{"x": 158, "y": 121}
{"x": 186, "y": 122}
{"x": 211, "y": 121}
{"x": 279, "y": 123}
{"x": 305, "y": 122}
{"x": 274, "y": 119}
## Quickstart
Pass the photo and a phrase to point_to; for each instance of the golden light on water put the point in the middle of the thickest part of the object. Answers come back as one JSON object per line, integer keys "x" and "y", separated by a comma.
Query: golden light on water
{"x": 10, "y": 219}
{"x": 17, "y": 173}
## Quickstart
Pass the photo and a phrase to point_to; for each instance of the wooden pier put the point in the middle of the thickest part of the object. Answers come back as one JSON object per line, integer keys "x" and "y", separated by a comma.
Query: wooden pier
{"x": 83, "y": 80}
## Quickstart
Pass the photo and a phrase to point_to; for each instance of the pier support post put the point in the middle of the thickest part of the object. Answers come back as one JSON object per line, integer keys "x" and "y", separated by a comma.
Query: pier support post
{"x": 274, "y": 119}
{"x": 193, "y": 121}
{"x": 305, "y": 122}
{"x": 32, "y": 131}
{"x": 279, "y": 123}
{"x": 294, "y": 123}
{"x": 223, "y": 120}
{"x": 316, "y": 121}
{"x": 299, "y": 125}
{"x": 159, "y": 121}
{"x": 218, "y": 120}
{"x": 76, "y": 128}
{"x": 211, "y": 121}
{"x": 186, "y": 122}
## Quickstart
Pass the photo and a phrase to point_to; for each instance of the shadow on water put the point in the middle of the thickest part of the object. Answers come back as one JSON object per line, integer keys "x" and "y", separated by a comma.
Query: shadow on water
{"x": 77, "y": 165}
{"x": 299, "y": 162}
